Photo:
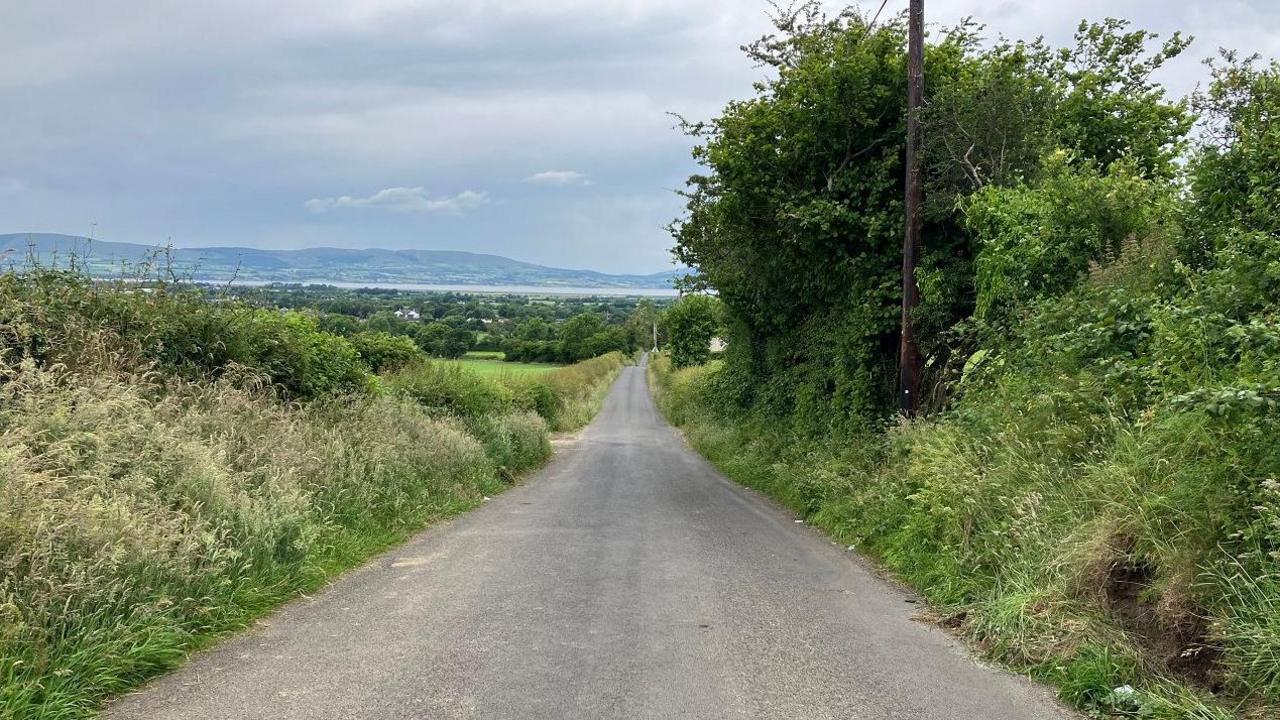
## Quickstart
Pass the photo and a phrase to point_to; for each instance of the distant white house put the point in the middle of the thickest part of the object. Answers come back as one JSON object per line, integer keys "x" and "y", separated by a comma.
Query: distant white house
{"x": 718, "y": 344}
{"x": 408, "y": 314}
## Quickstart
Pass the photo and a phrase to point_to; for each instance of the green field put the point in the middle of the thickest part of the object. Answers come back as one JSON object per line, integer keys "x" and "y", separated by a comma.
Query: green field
{"x": 491, "y": 363}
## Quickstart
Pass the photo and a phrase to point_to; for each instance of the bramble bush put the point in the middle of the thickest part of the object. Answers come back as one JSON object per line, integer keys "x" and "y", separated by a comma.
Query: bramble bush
{"x": 1039, "y": 240}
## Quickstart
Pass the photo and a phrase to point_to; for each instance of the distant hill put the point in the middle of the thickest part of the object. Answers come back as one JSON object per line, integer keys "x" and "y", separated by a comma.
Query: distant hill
{"x": 219, "y": 264}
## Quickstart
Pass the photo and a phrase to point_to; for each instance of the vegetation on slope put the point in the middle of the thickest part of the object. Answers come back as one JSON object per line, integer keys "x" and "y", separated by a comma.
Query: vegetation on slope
{"x": 173, "y": 468}
{"x": 1092, "y": 495}
{"x": 1103, "y": 515}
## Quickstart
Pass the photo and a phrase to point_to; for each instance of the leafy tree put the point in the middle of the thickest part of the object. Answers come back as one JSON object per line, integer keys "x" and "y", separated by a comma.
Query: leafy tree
{"x": 576, "y": 334}
{"x": 431, "y": 337}
{"x": 612, "y": 338}
{"x": 384, "y": 351}
{"x": 1111, "y": 108}
{"x": 457, "y": 343}
{"x": 536, "y": 329}
{"x": 797, "y": 220}
{"x": 640, "y": 325}
{"x": 1236, "y": 169}
{"x": 386, "y": 321}
{"x": 690, "y": 325}
{"x": 532, "y": 350}
{"x": 1017, "y": 102}
{"x": 443, "y": 340}
{"x": 991, "y": 124}
{"x": 338, "y": 324}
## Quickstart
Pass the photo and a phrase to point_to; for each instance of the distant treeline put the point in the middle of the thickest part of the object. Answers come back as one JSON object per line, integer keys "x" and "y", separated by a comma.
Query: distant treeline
{"x": 549, "y": 328}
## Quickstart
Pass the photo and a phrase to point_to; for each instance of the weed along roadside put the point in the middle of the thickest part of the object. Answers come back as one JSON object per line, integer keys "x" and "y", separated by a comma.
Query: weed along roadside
{"x": 1063, "y": 570}
{"x": 152, "y": 504}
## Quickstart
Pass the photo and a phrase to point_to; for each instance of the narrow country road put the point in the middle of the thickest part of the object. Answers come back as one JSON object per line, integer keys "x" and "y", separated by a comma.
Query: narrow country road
{"x": 627, "y": 580}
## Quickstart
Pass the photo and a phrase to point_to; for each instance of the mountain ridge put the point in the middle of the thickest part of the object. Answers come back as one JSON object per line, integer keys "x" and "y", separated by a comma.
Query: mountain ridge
{"x": 318, "y": 264}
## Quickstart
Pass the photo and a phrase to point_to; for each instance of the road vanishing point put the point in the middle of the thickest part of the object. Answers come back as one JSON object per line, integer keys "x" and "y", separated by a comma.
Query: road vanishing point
{"x": 627, "y": 579}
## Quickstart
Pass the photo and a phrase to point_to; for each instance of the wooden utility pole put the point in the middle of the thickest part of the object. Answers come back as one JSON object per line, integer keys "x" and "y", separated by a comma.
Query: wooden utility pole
{"x": 909, "y": 360}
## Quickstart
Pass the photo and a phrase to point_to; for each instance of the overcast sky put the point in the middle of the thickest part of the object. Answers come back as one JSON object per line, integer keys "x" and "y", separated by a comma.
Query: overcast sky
{"x": 534, "y": 129}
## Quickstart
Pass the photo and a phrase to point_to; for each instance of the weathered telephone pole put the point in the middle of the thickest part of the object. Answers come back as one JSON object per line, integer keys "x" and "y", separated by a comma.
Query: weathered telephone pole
{"x": 909, "y": 360}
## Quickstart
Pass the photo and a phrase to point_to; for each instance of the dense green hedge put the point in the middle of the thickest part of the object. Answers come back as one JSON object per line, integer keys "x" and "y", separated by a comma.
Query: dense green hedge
{"x": 1039, "y": 163}
{"x": 60, "y": 317}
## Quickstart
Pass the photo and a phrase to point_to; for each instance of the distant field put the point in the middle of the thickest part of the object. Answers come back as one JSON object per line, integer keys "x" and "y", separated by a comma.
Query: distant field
{"x": 484, "y": 355}
{"x": 493, "y": 364}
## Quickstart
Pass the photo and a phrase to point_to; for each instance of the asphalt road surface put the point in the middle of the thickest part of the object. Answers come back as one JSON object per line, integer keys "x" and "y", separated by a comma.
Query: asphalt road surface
{"x": 628, "y": 579}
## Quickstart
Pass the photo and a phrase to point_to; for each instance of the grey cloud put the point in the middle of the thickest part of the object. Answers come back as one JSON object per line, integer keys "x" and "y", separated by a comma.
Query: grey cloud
{"x": 210, "y": 122}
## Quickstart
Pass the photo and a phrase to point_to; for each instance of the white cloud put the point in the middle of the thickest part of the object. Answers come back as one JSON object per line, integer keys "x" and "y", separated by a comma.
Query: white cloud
{"x": 558, "y": 177}
{"x": 405, "y": 200}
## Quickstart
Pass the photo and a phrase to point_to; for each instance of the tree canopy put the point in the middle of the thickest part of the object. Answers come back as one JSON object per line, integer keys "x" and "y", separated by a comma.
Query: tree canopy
{"x": 796, "y": 218}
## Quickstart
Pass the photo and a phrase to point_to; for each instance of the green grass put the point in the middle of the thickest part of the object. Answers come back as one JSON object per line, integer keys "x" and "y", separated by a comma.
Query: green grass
{"x": 485, "y": 355}
{"x": 1012, "y": 520}
{"x": 565, "y": 396}
{"x": 144, "y": 517}
{"x": 497, "y": 366}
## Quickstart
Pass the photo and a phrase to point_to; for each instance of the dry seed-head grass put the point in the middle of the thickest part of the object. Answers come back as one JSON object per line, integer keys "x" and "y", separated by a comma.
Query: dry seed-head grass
{"x": 142, "y": 512}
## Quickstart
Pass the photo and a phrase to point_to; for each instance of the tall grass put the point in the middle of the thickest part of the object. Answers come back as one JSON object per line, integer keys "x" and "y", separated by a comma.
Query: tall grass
{"x": 579, "y": 389}
{"x": 1014, "y": 548}
{"x": 566, "y": 397}
{"x": 1099, "y": 508}
{"x": 152, "y": 499}
{"x": 142, "y": 515}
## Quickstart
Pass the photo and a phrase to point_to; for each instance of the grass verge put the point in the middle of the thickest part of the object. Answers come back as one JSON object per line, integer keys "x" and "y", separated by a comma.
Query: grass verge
{"x": 147, "y": 515}
{"x": 1093, "y": 574}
